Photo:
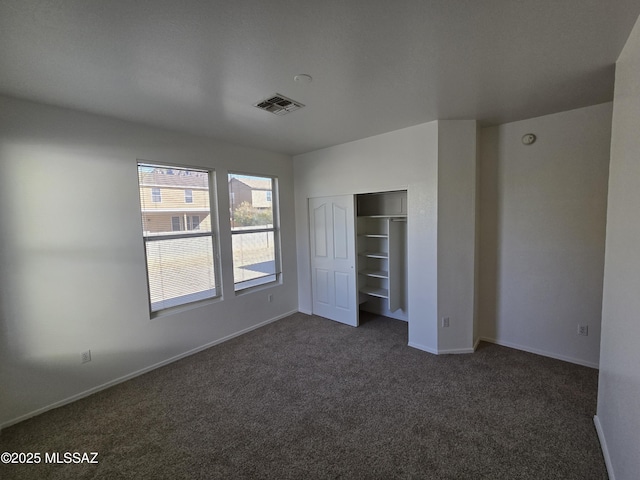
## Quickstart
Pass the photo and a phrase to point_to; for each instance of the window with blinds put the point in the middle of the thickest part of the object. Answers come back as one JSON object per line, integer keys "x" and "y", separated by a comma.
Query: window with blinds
{"x": 254, "y": 232}
{"x": 179, "y": 235}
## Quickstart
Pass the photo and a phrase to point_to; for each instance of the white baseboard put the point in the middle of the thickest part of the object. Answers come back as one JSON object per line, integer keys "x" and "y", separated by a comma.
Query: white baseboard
{"x": 137, "y": 373}
{"x": 423, "y": 348}
{"x": 603, "y": 446}
{"x": 544, "y": 353}
{"x": 456, "y": 351}
{"x": 453, "y": 351}
{"x": 475, "y": 345}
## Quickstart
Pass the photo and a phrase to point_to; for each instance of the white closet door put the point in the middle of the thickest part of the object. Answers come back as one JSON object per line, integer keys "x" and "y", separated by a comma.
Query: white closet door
{"x": 333, "y": 258}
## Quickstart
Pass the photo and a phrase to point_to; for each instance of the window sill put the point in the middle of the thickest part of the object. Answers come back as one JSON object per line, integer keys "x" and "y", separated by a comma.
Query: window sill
{"x": 258, "y": 284}
{"x": 181, "y": 307}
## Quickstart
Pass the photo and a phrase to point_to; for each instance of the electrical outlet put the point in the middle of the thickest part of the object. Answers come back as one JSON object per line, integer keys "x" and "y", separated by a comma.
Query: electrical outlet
{"x": 583, "y": 330}
{"x": 445, "y": 322}
{"x": 270, "y": 298}
{"x": 85, "y": 356}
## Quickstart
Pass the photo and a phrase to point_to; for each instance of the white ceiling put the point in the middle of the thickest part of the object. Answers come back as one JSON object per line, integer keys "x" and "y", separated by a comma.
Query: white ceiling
{"x": 378, "y": 65}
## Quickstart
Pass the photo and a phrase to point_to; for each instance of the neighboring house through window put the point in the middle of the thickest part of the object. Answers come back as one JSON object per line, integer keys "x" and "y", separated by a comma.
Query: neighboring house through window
{"x": 180, "y": 241}
{"x": 255, "y": 238}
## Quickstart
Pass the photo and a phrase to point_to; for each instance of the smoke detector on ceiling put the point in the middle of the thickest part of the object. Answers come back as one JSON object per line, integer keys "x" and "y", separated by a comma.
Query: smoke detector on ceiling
{"x": 278, "y": 105}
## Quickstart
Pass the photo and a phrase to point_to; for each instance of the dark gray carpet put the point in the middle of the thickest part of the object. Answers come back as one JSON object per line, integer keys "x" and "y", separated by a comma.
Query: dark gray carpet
{"x": 307, "y": 398}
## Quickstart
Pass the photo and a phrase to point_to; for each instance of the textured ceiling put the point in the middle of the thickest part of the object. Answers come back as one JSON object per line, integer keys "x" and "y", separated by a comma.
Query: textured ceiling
{"x": 199, "y": 65}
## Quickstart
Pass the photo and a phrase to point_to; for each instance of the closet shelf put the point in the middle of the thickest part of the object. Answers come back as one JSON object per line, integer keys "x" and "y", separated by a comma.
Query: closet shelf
{"x": 381, "y": 246}
{"x": 374, "y": 254}
{"x": 375, "y": 291}
{"x": 375, "y": 273}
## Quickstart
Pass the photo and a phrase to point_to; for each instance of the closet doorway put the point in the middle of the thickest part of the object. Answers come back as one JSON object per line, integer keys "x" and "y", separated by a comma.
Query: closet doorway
{"x": 358, "y": 255}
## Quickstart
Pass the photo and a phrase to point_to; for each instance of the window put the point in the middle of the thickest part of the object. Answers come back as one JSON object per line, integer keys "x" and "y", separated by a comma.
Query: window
{"x": 156, "y": 195}
{"x": 255, "y": 238}
{"x": 193, "y": 222}
{"x": 180, "y": 246}
{"x": 188, "y": 196}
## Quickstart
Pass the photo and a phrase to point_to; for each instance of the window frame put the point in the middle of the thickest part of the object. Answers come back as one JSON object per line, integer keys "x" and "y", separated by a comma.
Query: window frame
{"x": 188, "y": 198}
{"x": 275, "y": 229}
{"x": 213, "y": 232}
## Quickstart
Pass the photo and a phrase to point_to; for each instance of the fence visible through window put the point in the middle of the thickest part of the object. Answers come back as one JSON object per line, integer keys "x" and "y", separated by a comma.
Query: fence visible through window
{"x": 178, "y": 235}
{"x": 253, "y": 230}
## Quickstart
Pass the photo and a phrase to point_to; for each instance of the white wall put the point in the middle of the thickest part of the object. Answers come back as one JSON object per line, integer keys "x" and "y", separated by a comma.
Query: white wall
{"x": 456, "y": 234}
{"x": 542, "y": 224}
{"x": 618, "y": 418}
{"x": 72, "y": 263}
{"x": 435, "y": 162}
{"x": 403, "y": 159}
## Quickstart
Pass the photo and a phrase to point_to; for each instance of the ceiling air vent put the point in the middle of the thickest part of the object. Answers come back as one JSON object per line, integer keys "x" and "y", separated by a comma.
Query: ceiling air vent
{"x": 278, "y": 105}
